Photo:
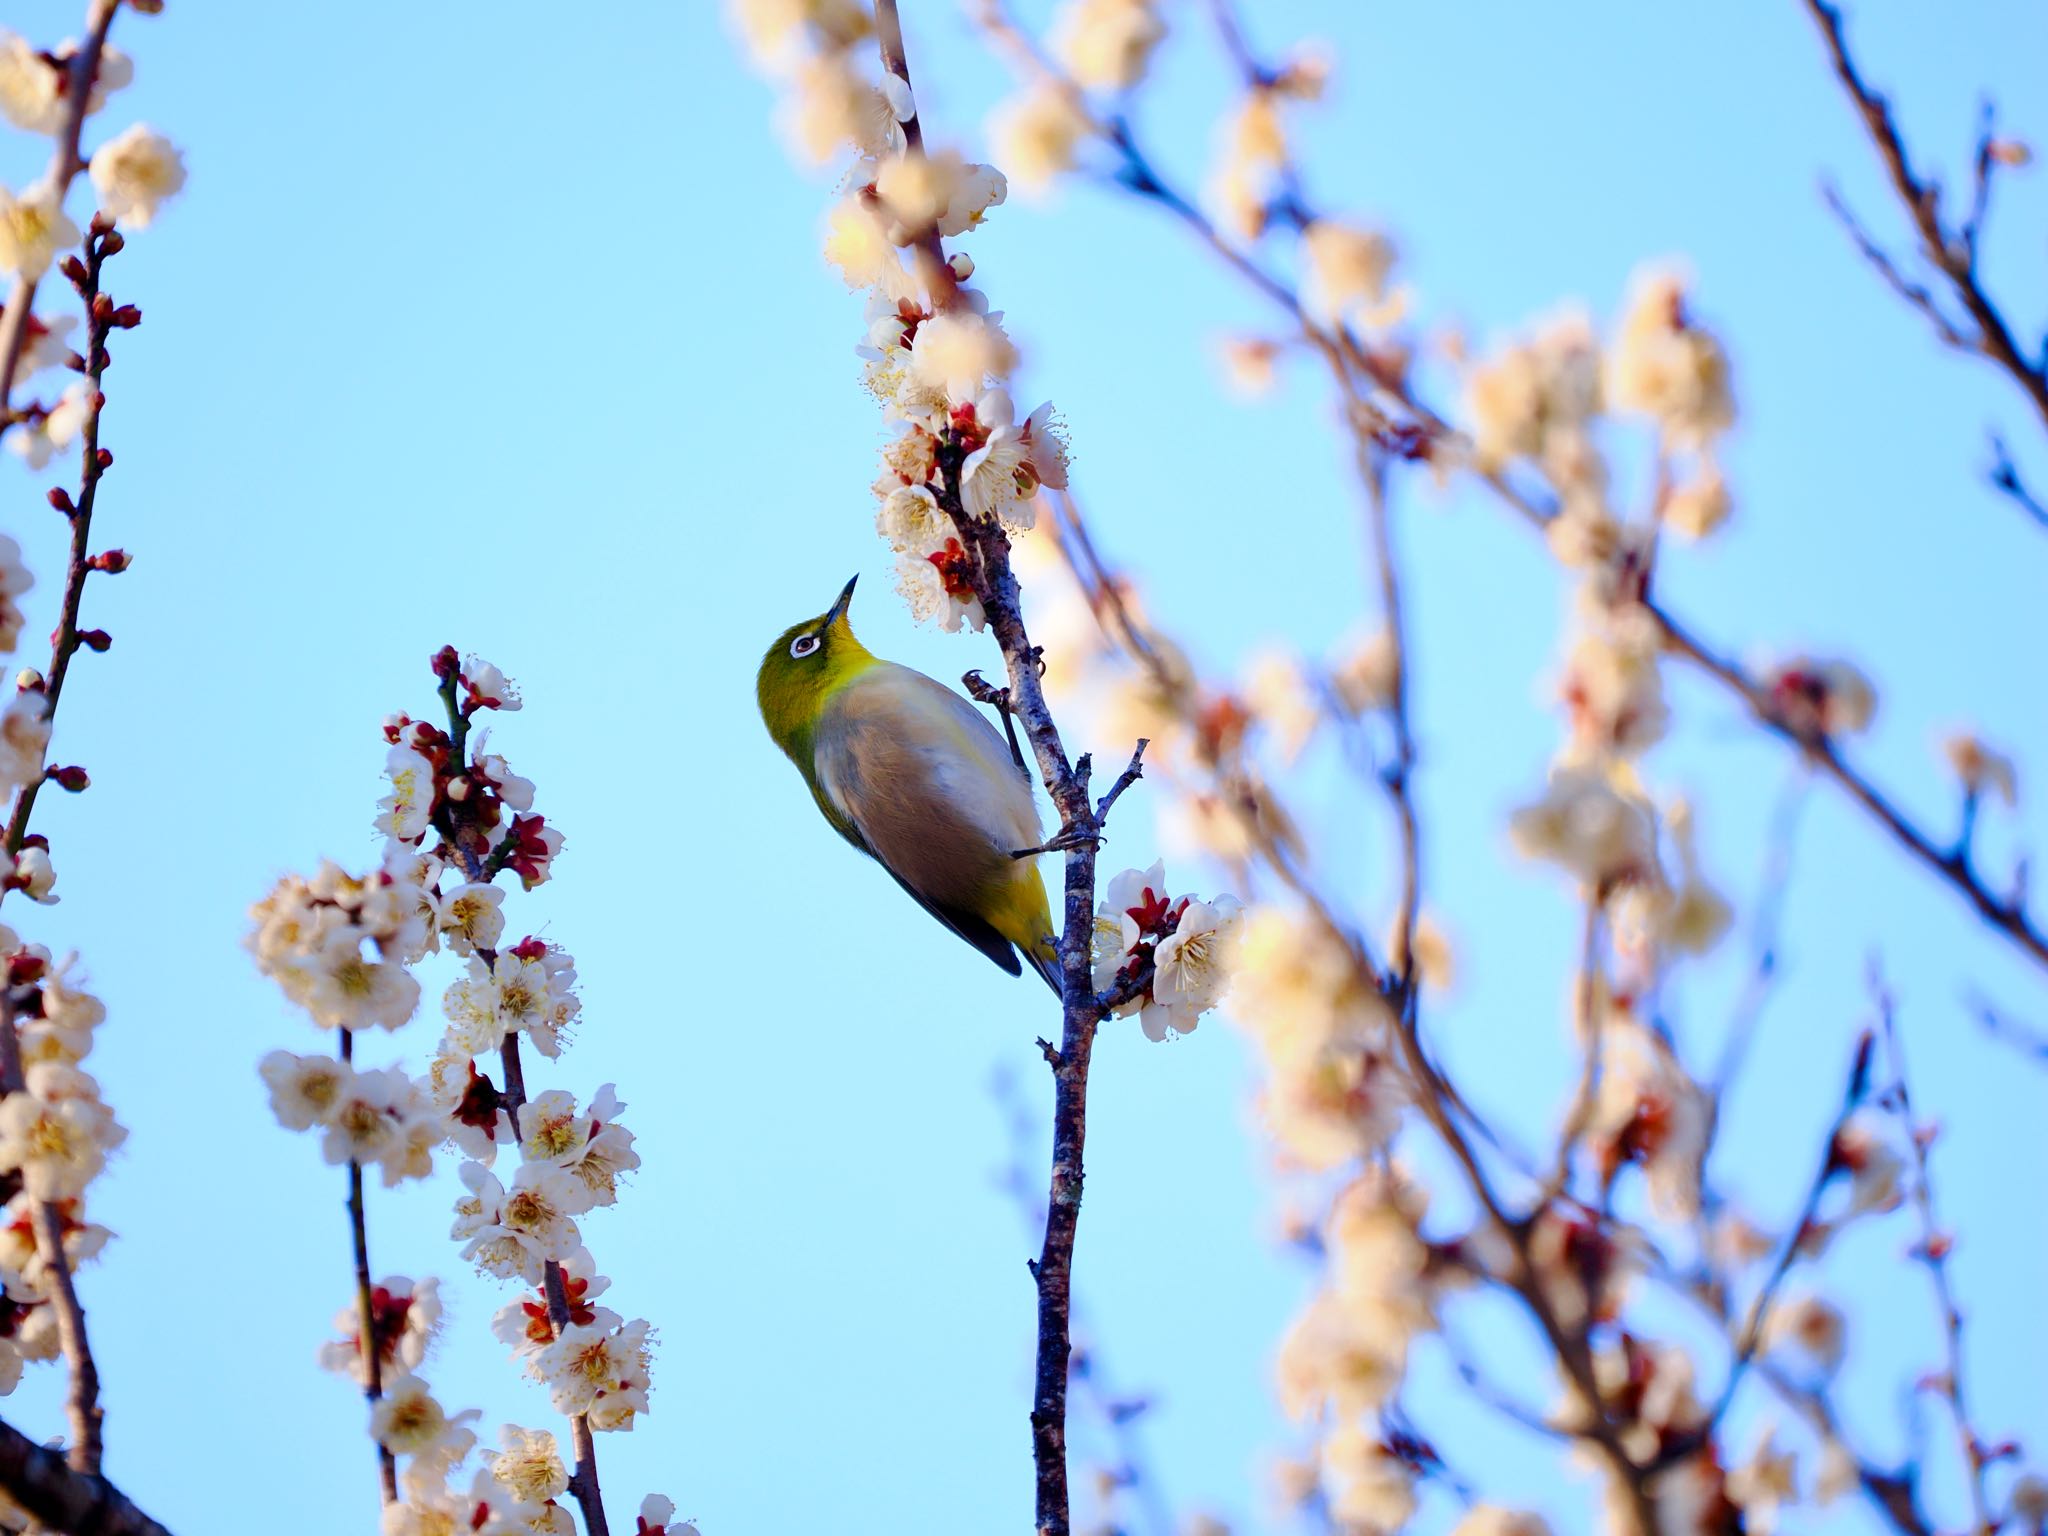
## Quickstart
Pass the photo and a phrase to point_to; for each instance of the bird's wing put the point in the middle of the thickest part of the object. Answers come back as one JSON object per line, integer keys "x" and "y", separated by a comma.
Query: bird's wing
{"x": 931, "y": 789}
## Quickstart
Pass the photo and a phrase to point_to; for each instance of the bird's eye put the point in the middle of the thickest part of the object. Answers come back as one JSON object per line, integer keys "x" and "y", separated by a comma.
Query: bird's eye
{"x": 803, "y": 645}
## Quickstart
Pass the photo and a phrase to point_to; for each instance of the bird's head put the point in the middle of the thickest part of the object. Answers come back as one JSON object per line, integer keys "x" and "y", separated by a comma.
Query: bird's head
{"x": 805, "y": 666}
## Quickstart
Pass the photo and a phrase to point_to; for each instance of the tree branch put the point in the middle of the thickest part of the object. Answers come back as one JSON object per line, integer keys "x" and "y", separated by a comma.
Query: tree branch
{"x": 1951, "y": 253}
{"x": 102, "y": 318}
{"x": 62, "y": 1499}
{"x": 65, "y": 164}
{"x": 366, "y": 1308}
{"x": 1934, "y": 1250}
{"x": 82, "y": 1400}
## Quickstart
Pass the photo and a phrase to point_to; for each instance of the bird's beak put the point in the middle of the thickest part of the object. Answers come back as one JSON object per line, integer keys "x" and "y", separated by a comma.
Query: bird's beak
{"x": 840, "y": 604}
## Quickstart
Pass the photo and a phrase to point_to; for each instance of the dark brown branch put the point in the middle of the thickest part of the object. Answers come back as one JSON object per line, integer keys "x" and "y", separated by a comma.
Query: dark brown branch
{"x": 101, "y": 320}
{"x": 62, "y": 1499}
{"x": 65, "y": 164}
{"x": 366, "y": 1307}
{"x": 1952, "y": 253}
{"x": 1079, "y": 836}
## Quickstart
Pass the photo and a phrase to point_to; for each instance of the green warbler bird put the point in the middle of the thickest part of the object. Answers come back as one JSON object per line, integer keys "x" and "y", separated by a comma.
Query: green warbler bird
{"x": 914, "y": 776}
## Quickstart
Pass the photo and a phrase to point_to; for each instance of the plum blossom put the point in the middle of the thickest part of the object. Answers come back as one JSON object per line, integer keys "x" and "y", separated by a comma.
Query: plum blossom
{"x": 403, "y": 815}
{"x": 15, "y": 579}
{"x": 33, "y": 229}
{"x": 24, "y": 738}
{"x": 1586, "y": 825}
{"x": 657, "y": 1517}
{"x": 409, "y": 1421}
{"x": 405, "y": 1317}
{"x": 305, "y": 1091}
{"x": 134, "y": 172}
{"x": 1108, "y": 44}
{"x": 592, "y": 1146}
{"x": 601, "y": 1372}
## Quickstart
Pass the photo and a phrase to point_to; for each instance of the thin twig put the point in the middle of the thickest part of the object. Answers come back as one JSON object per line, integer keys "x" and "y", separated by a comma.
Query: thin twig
{"x": 65, "y": 164}
{"x": 1934, "y": 1250}
{"x": 1590, "y": 1012}
{"x": 101, "y": 319}
{"x": 1751, "y": 1336}
{"x": 2024, "y": 1038}
{"x": 1125, "y": 780}
{"x": 1951, "y": 253}
{"x": 2005, "y": 478}
{"x": 366, "y": 1307}
{"x": 61, "y": 1498}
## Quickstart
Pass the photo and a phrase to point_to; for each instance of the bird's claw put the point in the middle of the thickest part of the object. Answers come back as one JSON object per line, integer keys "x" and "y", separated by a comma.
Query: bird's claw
{"x": 1067, "y": 838}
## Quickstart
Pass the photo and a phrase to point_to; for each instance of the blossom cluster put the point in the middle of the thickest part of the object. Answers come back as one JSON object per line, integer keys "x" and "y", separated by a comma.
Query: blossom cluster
{"x": 55, "y": 1135}
{"x": 1172, "y": 954}
{"x": 345, "y": 949}
{"x": 133, "y": 173}
{"x": 934, "y": 354}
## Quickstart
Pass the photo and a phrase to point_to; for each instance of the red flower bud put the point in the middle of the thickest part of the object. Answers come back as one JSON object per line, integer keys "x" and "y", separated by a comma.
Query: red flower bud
{"x": 95, "y": 639}
{"x": 125, "y": 318}
{"x": 113, "y": 245}
{"x": 447, "y": 662}
{"x": 73, "y": 778}
{"x": 74, "y": 269}
{"x": 106, "y": 460}
{"x": 102, "y": 307}
{"x": 61, "y": 500}
{"x": 112, "y": 561}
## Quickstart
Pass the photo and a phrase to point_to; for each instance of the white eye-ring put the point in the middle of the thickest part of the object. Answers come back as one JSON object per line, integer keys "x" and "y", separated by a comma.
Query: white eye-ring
{"x": 803, "y": 645}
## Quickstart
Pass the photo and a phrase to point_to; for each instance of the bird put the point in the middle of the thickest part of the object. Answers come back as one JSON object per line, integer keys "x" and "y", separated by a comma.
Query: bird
{"x": 914, "y": 776}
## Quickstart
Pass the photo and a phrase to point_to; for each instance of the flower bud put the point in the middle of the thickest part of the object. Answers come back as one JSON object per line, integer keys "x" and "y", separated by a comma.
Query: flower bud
{"x": 73, "y": 778}
{"x": 112, "y": 561}
{"x": 61, "y": 500}
{"x": 95, "y": 639}
{"x": 27, "y": 678}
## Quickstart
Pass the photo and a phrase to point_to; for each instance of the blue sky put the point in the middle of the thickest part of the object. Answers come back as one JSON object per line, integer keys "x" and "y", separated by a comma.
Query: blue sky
{"x": 473, "y": 328}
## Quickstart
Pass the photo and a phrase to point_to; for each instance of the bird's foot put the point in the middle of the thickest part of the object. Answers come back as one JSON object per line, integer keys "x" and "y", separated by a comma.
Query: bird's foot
{"x": 1068, "y": 837}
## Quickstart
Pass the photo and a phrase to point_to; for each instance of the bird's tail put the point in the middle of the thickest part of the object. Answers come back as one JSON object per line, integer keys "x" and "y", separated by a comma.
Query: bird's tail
{"x": 1044, "y": 958}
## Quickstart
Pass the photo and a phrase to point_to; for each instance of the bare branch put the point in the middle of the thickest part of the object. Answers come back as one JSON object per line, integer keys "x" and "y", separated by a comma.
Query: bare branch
{"x": 62, "y": 1499}
{"x": 1951, "y": 253}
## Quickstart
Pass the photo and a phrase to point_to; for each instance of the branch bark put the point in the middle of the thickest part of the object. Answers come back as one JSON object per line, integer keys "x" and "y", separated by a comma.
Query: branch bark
{"x": 65, "y": 642}
{"x": 63, "y": 1499}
